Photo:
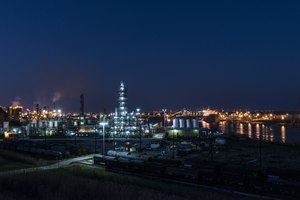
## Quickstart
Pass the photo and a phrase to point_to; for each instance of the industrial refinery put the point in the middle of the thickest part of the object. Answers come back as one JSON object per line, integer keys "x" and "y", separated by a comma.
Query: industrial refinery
{"x": 149, "y": 100}
{"x": 17, "y": 122}
{"x": 197, "y": 147}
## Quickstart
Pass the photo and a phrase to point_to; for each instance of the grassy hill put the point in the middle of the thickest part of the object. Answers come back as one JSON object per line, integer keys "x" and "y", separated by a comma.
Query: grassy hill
{"x": 86, "y": 183}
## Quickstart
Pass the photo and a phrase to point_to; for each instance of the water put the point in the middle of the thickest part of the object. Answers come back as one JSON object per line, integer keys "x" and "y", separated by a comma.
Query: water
{"x": 266, "y": 132}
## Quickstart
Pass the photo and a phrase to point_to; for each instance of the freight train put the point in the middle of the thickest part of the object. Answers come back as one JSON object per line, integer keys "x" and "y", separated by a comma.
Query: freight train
{"x": 212, "y": 174}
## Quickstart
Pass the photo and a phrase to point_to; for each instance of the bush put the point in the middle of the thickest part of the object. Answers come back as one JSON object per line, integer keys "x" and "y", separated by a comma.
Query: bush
{"x": 17, "y": 157}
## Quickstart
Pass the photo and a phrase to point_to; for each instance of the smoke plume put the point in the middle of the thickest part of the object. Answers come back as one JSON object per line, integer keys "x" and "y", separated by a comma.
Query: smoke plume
{"x": 56, "y": 97}
{"x": 16, "y": 101}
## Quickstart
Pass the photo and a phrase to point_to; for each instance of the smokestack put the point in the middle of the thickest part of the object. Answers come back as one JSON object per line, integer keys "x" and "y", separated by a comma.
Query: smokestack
{"x": 37, "y": 108}
{"x": 54, "y": 105}
{"x": 82, "y": 105}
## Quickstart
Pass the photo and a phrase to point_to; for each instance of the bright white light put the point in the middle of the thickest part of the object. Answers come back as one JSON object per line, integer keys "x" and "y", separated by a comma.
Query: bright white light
{"x": 59, "y": 111}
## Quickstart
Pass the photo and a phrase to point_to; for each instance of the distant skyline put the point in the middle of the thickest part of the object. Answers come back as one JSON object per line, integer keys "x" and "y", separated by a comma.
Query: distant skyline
{"x": 170, "y": 54}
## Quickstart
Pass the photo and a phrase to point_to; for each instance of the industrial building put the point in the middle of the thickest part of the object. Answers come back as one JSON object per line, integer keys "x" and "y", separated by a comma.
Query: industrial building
{"x": 14, "y": 113}
{"x": 186, "y": 127}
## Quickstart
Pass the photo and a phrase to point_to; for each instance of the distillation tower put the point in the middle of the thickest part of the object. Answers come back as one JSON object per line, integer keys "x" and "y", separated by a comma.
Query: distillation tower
{"x": 124, "y": 123}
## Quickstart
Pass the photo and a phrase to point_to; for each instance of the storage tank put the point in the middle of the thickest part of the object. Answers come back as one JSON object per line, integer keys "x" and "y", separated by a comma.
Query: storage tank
{"x": 181, "y": 123}
{"x": 55, "y": 124}
{"x": 50, "y": 124}
{"x": 188, "y": 123}
{"x": 175, "y": 123}
{"x": 195, "y": 123}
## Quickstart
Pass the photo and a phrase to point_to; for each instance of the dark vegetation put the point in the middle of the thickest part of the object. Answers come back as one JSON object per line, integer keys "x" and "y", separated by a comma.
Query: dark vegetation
{"x": 85, "y": 183}
{"x": 10, "y": 160}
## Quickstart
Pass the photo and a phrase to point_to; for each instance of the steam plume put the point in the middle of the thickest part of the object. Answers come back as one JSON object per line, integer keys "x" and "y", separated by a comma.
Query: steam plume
{"x": 56, "y": 97}
{"x": 16, "y": 101}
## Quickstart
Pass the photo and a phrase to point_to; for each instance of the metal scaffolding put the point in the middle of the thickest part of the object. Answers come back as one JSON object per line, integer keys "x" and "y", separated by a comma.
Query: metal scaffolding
{"x": 123, "y": 122}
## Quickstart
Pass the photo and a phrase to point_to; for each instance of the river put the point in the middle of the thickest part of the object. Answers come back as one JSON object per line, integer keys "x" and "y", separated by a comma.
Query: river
{"x": 267, "y": 132}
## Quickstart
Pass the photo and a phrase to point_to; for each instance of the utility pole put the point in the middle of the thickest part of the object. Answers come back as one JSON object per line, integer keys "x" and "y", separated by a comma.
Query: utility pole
{"x": 95, "y": 142}
{"x": 140, "y": 129}
{"x": 75, "y": 139}
{"x": 211, "y": 148}
{"x": 114, "y": 139}
{"x": 164, "y": 110}
{"x": 103, "y": 126}
{"x": 45, "y": 136}
{"x": 260, "y": 158}
{"x": 173, "y": 156}
{"x": 82, "y": 117}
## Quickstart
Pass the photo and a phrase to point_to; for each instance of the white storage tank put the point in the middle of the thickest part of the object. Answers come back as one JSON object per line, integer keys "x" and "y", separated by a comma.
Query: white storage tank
{"x": 55, "y": 124}
{"x": 181, "y": 123}
{"x": 175, "y": 123}
{"x": 195, "y": 123}
{"x": 32, "y": 124}
{"x": 188, "y": 123}
{"x": 50, "y": 124}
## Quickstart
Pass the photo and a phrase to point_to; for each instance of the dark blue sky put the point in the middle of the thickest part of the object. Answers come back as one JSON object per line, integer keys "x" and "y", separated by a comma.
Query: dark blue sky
{"x": 173, "y": 54}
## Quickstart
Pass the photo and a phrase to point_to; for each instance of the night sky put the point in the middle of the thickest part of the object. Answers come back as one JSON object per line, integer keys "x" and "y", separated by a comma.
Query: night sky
{"x": 170, "y": 54}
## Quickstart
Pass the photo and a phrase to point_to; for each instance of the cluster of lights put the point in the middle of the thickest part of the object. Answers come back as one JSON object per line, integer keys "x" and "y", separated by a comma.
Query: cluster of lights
{"x": 248, "y": 116}
{"x": 43, "y": 115}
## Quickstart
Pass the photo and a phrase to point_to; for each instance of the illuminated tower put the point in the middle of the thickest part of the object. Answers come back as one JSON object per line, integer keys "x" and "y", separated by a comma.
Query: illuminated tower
{"x": 121, "y": 114}
{"x": 122, "y": 100}
{"x": 124, "y": 123}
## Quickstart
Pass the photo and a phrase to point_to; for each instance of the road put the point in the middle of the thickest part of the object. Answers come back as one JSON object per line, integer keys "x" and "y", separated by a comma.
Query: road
{"x": 60, "y": 164}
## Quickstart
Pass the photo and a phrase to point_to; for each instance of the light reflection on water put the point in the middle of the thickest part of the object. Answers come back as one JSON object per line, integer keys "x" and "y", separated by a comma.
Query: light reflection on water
{"x": 266, "y": 132}
{"x": 241, "y": 129}
{"x": 257, "y": 131}
{"x": 249, "y": 130}
{"x": 283, "y": 134}
{"x": 271, "y": 134}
